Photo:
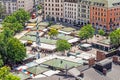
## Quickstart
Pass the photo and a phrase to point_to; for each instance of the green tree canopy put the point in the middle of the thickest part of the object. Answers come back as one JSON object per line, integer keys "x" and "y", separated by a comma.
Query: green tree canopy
{"x": 17, "y": 20}
{"x": 7, "y": 33}
{"x": 3, "y": 72}
{"x": 10, "y": 19}
{"x": 1, "y": 61}
{"x": 39, "y": 7}
{"x": 16, "y": 27}
{"x": 6, "y": 75}
{"x": 53, "y": 32}
{"x": 11, "y": 77}
{"x": 22, "y": 16}
{"x": 2, "y": 10}
{"x": 15, "y": 51}
{"x": 4, "y": 36}
{"x": 115, "y": 37}
{"x": 86, "y": 32}
{"x": 101, "y": 32}
{"x": 62, "y": 45}
{"x": 11, "y": 49}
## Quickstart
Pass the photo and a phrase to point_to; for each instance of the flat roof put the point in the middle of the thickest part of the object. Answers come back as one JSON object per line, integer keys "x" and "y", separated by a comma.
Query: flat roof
{"x": 104, "y": 62}
{"x": 85, "y": 45}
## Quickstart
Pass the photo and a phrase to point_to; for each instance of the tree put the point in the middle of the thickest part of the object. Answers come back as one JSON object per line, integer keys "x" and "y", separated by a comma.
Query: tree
{"x": 1, "y": 61}
{"x": 7, "y": 33}
{"x": 3, "y": 72}
{"x": 86, "y": 32}
{"x": 11, "y": 77}
{"x": 16, "y": 27}
{"x": 39, "y": 7}
{"x": 6, "y": 75}
{"x": 16, "y": 21}
{"x": 63, "y": 45}
{"x": 10, "y": 19}
{"x": 15, "y": 51}
{"x": 4, "y": 36}
{"x": 11, "y": 49}
{"x": 101, "y": 32}
{"x": 2, "y": 10}
{"x": 22, "y": 16}
{"x": 53, "y": 32}
{"x": 115, "y": 37}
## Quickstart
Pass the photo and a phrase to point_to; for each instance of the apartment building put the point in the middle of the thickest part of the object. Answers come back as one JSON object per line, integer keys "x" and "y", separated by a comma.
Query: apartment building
{"x": 53, "y": 10}
{"x": 13, "y": 5}
{"x": 27, "y": 5}
{"x": 10, "y": 5}
{"x": 101, "y": 14}
{"x": 105, "y": 14}
{"x": 83, "y": 12}
{"x": 70, "y": 11}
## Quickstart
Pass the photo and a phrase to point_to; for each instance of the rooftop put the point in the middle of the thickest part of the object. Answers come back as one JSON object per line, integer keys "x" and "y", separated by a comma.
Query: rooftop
{"x": 92, "y": 74}
{"x": 89, "y": 74}
{"x": 106, "y": 3}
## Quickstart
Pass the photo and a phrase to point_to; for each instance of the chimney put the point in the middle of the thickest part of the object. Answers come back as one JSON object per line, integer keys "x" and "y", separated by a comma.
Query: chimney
{"x": 100, "y": 56}
{"x": 91, "y": 62}
{"x": 115, "y": 59}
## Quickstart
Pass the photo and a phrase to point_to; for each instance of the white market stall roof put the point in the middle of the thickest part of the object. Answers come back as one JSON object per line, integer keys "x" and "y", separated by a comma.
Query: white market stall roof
{"x": 64, "y": 32}
{"x": 45, "y": 30}
{"x": 19, "y": 35}
{"x": 23, "y": 41}
{"x": 30, "y": 27}
{"x": 23, "y": 67}
{"x": 86, "y": 56}
{"x": 45, "y": 46}
{"x": 85, "y": 45}
{"x": 31, "y": 64}
{"x": 41, "y": 60}
{"x": 40, "y": 76}
{"x": 29, "y": 56}
{"x": 51, "y": 72}
{"x": 41, "y": 33}
{"x": 73, "y": 40}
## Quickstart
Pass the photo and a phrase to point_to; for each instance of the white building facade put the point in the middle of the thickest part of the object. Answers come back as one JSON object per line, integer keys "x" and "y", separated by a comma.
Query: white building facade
{"x": 70, "y": 11}
{"x": 53, "y": 10}
{"x": 84, "y": 12}
{"x": 13, "y": 5}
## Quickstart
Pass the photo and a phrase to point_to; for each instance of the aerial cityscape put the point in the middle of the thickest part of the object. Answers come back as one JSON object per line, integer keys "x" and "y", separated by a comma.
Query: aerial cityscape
{"x": 59, "y": 39}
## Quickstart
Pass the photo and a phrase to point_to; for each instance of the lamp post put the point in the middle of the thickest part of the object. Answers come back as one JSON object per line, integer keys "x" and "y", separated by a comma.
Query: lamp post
{"x": 66, "y": 70}
{"x": 35, "y": 7}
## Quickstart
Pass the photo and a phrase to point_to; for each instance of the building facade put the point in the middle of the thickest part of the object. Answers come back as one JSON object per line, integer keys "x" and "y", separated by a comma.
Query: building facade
{"x": 105, "y": 14}
{"x": 70, "y": 11}
{"x": 83, "y": 12}
{"x": 27, "y": 5}
{"x": 53, "y": 10}
{"x": 13, "y": 5}
{"x": 10, "y": 5}
{"x": 101, "y": 14}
